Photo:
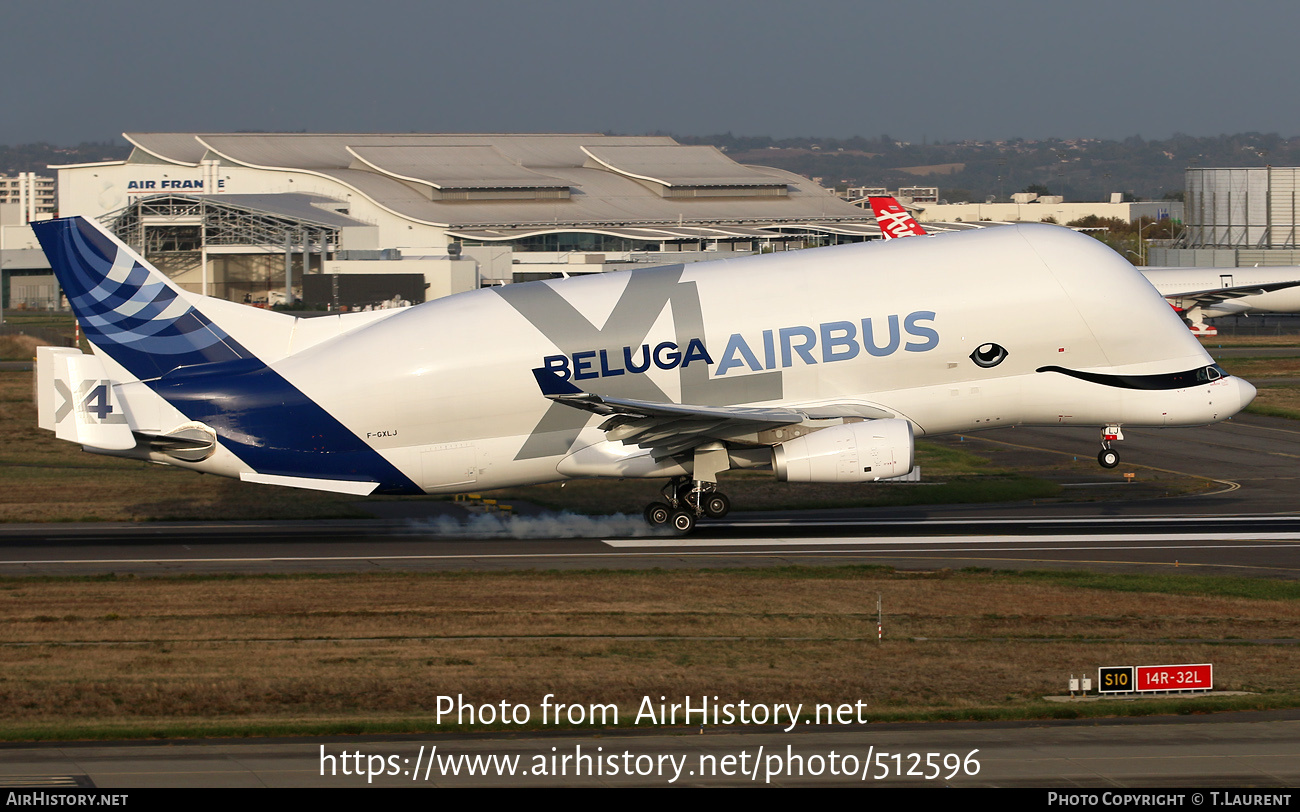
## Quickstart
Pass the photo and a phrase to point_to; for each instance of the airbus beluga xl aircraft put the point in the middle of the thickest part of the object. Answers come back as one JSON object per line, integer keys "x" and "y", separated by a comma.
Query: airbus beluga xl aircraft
{"x": 822, "y": 365}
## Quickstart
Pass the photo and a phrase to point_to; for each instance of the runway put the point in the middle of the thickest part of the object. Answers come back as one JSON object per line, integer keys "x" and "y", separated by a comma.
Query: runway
{"x": 1250, "y": 545}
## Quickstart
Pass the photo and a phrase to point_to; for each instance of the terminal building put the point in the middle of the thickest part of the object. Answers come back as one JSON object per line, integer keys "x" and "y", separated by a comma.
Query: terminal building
{"x": 412, "y": 217}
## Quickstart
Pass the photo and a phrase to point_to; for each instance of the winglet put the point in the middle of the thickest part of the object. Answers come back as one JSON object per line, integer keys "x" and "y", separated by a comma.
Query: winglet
{"x": 554, "y": 386}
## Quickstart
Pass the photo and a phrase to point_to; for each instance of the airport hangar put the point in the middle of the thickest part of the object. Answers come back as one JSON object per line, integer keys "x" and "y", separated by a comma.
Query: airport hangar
{"x": 421, "y": 216}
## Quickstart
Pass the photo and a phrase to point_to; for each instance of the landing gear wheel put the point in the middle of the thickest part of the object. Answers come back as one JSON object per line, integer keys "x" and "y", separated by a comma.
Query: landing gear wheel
{"x": 716, "y": 505}
{"x": 683, "y": 522}
{"x": 657, "y": 513}
{"x": 1108, "y": 458}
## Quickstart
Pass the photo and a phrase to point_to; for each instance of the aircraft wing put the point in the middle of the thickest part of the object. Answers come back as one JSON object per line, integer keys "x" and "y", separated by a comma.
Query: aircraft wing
{"x": 1213, "y": 296}
{"x": 672, "y": 428}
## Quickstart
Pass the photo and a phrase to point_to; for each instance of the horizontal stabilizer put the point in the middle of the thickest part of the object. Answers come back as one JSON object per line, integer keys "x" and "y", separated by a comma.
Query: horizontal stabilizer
{"x": 77, "y": 400}
{"x": 50, "y": 365}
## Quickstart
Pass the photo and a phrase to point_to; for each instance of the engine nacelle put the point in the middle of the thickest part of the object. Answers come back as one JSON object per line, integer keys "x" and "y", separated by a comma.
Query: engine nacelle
{"x": 853, "y": 452}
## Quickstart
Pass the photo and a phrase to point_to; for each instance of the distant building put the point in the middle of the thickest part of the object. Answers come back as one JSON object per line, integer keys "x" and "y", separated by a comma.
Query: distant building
{"x": 32, "y": 193}
{"x": 1237, "y": 217}
{"x": 906, "y": 195}
{"x": 1034, "y": 209}
{"x": 26, "y": 281}
{"x": 220, "y": 212}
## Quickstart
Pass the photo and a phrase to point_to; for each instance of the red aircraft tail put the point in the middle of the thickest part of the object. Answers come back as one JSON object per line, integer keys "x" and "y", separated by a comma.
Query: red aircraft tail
{"x": 893, "y": 219}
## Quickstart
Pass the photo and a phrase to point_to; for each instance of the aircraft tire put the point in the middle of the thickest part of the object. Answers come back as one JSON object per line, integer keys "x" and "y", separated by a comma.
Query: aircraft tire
{"x": 716, "y": 505}
{"x": 683, "y": 522}
{"x": 657, "y": 513}
{"x": 1108, "y": 458}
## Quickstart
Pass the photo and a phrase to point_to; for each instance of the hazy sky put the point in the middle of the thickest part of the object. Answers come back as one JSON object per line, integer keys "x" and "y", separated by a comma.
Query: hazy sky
{"x": 73, "y": 71}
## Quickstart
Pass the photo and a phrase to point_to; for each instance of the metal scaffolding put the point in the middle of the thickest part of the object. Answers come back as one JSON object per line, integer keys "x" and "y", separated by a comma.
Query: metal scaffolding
{"x": 175, "y": 233}
{"x": 185, "y": 222}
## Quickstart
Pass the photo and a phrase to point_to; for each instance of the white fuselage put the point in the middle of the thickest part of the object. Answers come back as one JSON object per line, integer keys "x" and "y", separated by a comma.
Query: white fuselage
{"x": 445, "y": 391}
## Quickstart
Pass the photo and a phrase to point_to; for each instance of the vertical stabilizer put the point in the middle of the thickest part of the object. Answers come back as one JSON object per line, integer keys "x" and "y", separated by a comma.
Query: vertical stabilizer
{"x": 895, "y": 221}
{"x": 127, "y": 308}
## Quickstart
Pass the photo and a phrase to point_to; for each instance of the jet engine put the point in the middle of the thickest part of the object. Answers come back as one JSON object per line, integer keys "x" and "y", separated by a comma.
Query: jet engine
{"x": 852, "y": 452}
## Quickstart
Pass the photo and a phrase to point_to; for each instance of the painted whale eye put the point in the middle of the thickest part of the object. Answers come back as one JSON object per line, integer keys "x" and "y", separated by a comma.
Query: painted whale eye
{"x": 988, "y": 355}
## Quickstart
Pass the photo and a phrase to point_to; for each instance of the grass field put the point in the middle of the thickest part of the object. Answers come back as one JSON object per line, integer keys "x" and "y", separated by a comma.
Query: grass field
{"x": 1277, "y": 401}
{"x": 275, "y": 655}
{"x": 1213, "y": 342}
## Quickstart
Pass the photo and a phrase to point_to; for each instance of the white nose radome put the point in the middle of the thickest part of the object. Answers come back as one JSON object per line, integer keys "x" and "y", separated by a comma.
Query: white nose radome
{"x": 1245, "y": 391}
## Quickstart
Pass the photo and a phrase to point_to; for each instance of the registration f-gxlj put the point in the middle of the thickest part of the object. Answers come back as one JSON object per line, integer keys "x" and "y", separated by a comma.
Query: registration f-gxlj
{"x": 822, "y": 365}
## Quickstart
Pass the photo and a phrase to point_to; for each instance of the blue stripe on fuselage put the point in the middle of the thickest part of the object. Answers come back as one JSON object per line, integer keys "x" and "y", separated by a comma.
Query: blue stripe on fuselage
{"x": 270, "y": 424}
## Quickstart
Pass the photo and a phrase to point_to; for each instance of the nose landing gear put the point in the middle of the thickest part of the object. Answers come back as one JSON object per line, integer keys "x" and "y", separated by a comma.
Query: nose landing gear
{"x": 1109, "y": 457}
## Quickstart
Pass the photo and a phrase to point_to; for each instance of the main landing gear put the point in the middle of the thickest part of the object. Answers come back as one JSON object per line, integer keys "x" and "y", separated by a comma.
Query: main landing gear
{"x": 684, "y": 502}
{"x": 1109, "y": 457}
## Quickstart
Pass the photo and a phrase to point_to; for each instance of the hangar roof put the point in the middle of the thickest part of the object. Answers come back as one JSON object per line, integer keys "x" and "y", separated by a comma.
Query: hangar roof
{"x": 510, "y": 184}
{"x": 676, "y": 165}
{"x": 308, "y": 208}
{"x": 442, "y": 167}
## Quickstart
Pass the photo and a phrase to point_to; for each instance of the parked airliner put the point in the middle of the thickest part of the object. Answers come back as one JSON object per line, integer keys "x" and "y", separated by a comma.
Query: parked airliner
{"x": 1207, "y": 293}
{"x": 822, "y": 365}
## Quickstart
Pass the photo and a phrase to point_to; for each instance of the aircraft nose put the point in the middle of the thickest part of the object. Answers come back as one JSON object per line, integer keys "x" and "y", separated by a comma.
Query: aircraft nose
{"x": 1245, "y": 391}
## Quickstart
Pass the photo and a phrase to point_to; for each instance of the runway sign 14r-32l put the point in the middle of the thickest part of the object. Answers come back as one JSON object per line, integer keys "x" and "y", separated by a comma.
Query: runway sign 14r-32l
{"x": 1123, "y": 679}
